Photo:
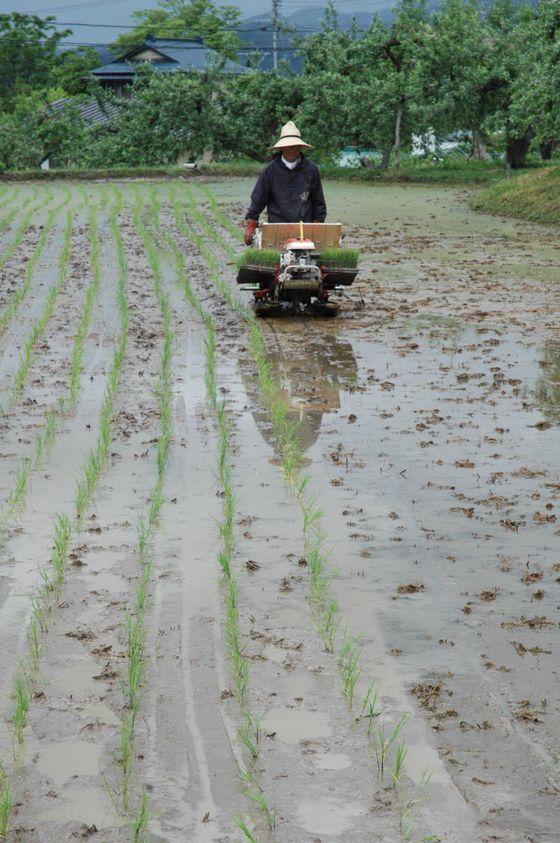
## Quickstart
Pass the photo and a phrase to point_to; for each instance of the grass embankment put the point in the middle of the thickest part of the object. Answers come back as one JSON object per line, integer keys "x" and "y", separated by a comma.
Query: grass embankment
{"x": 533, "y": 196}
{"x": 411, "y": 171}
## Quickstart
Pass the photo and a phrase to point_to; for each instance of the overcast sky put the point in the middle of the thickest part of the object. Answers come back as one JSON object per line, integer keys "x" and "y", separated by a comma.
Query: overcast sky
{"x": 108, "y": 12}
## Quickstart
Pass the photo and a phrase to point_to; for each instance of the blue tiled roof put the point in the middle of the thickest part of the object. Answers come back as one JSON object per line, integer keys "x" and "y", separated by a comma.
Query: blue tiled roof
{"x": 178, "y": 54}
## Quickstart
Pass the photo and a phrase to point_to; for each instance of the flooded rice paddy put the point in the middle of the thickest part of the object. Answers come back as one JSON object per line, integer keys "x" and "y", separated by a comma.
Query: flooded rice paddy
{"x": 172, "y": 678}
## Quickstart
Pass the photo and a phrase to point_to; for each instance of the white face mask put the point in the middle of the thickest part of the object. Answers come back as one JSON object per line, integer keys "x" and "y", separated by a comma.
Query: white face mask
{"x": 291, "y": 164}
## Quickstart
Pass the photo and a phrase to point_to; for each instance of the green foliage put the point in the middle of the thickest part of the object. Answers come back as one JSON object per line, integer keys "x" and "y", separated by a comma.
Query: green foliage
{"x": 70, "y": 71}
{"x": 167, "y": 116}
{"x": 215, "y": 25}
{"x": 28, "y": 54}
{"x": 252, "y": 107}
{"x": 484, "y": 70}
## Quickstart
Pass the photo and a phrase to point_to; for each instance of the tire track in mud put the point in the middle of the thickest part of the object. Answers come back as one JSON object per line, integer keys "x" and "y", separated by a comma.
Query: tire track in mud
{"x": 243, "y": 729}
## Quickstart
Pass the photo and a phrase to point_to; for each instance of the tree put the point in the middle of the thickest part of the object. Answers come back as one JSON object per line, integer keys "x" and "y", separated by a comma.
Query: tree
{"x": 536, "y": 90}
{"x": 215, "y": 25}
{"x": 167, "y": 115}
{"x": 509, "y": 28}
{"x": 251, "y": 107}
{"x": 455, "y": 76}
{"x": 28, "y": 54}
{"x": 70, "y": 72}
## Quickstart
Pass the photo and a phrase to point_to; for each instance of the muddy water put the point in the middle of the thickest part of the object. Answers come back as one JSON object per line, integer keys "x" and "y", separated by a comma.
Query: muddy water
{"x": 429, "y": 413}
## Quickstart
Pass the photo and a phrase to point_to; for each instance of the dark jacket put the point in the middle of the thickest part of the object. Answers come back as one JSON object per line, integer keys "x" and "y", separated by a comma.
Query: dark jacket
{"x": 289, "y": 195}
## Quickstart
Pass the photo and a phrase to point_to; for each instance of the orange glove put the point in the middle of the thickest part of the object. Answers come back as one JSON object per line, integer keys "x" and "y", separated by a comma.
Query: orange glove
{"x": 250, "y": 228}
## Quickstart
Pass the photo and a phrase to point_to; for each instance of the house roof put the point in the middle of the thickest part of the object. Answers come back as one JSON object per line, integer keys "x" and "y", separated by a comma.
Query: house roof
{"x": 91, "y": 111}
{"x": 173, "y": 54}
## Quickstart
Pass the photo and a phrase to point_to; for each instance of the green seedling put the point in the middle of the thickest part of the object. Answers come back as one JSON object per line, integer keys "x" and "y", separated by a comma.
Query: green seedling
{"x": 351, "y": 672}
{"x": 330, "y": 625}
{"x": 34, "y": 643}
{"x": 21, "y": 706}
{"x": 126, "y": 759}
{"x": 413, "y": 803}
{"x": 247, "y": 740}
{"x": 400, "y": 756}
{"x": 140, "y": 824}
{"x": 259, "y": 257}
{"x": 249, "y": 835}
{"x": 5, "y": 805}
{"x": 369, "y": 706}
{"x": 339, "y": 258}
{"x": 256, "y": 795}
{"x": 383, "y": 742}
{"x": 61, "y": 540}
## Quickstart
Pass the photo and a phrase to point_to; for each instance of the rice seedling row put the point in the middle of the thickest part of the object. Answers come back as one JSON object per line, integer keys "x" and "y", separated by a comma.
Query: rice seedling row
{"x": 7, "y": 219}
{"x": 135, "y": 616}
{"x": 9, "y": 198}
{"x": 51, "y": 577}
{"x": 40, "y": 324}
{"x": 20, "y": 293}
{"x": 25, "y": 221}
{"x": 249, "y": 732}
{"x": 382, "y": 739}
{"x": 45, "y": 438}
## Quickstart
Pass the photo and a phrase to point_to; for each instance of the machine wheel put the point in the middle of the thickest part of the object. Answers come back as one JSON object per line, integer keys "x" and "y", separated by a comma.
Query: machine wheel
{"x": 319, "y": 308}
{"x": 267, "y": 308}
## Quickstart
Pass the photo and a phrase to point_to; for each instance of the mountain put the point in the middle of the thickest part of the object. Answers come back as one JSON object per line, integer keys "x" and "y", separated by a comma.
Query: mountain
{"x": 256, "y": 32}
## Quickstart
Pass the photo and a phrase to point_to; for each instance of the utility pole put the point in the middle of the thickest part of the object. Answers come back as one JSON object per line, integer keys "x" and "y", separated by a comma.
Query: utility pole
{"x": 275, "y": 41}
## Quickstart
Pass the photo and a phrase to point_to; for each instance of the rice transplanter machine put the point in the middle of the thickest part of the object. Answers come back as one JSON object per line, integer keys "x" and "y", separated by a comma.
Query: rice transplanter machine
{"x": 296, "y": 264}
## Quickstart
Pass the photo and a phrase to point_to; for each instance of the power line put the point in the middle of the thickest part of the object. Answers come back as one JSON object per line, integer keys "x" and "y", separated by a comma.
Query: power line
{"x": 85, "y": 5}
{"x": 242, "y": 49}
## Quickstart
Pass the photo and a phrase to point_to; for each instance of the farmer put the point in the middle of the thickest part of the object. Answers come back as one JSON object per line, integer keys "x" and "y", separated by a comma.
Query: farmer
{"x": 289, "y": 187}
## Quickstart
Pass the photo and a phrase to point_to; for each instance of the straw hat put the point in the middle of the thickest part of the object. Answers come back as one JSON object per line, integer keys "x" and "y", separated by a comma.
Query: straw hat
{"x": 290, "y": 136}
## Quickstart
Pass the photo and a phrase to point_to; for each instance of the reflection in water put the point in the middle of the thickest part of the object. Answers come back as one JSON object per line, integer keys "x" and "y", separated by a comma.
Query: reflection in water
{"x": 311, "y": 375}
{"x": 547, "y": 389}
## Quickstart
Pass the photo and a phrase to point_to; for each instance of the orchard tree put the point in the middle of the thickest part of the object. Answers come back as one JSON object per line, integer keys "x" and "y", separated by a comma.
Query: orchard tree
{"x": 536, "y": 90}
{"x": 215, "y": 25}
{"x": 510, "y": 32}
{"x": 455, "y": 74}
{"x": 252, "y": 107}
{"x": 166, "y": 116}
{"x": 28, "y": 55}
{"x": 402, "y": 52}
